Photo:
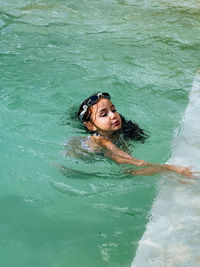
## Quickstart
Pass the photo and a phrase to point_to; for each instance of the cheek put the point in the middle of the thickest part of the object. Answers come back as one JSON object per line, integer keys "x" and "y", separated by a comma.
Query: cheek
{"x": 103, "y": 121}
{"x": 119, "y": 117}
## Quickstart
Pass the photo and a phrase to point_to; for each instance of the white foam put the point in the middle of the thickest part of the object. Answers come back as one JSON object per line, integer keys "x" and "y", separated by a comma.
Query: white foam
{"x": 172, "y": 236}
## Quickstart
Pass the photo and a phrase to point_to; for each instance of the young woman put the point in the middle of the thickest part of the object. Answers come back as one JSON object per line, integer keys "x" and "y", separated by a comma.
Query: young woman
{"x": 109, "y": 131}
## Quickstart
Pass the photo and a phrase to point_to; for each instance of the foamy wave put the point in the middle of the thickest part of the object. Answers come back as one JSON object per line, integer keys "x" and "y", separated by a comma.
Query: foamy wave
{"x": 172, "y": 237}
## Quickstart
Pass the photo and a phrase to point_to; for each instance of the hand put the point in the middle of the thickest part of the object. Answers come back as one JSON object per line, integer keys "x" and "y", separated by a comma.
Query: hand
{"x": 186, "y": 171}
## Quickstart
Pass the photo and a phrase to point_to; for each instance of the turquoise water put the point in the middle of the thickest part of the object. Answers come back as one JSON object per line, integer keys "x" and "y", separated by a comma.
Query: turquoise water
{"x": 53, "y": 54}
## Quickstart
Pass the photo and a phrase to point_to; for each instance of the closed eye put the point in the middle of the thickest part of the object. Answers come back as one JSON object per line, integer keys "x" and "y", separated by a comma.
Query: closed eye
{"x": 103, "y": 114}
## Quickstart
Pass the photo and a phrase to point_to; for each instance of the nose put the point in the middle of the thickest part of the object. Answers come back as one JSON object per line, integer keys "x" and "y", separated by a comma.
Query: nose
{"x": 112, "y": 115}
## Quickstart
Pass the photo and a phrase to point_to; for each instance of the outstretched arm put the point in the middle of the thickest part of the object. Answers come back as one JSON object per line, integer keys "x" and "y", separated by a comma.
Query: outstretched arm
{"x": 161, "y": 168}
{"x": 121, "y": 157}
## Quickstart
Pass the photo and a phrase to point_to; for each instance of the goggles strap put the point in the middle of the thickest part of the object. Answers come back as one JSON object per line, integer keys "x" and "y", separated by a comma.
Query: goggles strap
{"x": 85, "y": 108}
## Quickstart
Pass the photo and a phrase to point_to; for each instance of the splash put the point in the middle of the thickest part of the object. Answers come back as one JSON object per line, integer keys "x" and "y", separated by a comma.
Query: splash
{"x": 172, "y": 236}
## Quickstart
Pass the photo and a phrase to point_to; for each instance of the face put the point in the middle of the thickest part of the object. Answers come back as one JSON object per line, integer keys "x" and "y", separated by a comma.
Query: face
{"x": 104, "y": 118}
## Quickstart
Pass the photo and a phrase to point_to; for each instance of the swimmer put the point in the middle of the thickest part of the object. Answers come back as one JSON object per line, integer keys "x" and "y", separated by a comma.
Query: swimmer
{"x": 109, "y": 130}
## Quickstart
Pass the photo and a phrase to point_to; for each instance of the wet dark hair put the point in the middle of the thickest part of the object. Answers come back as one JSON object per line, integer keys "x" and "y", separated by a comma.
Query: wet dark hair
{"x": 130, "y": 130}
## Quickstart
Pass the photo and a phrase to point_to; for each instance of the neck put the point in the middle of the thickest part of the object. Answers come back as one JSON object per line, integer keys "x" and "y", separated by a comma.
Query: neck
{"x": 112, "y": 136}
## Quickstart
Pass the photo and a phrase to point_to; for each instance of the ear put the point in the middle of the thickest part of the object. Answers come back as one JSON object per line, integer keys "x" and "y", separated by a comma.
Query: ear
{"x": 90, "y": 126}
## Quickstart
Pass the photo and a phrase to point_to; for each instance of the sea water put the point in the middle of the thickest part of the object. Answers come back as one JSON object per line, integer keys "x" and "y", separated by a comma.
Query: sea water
{"x": 53, "y": 54}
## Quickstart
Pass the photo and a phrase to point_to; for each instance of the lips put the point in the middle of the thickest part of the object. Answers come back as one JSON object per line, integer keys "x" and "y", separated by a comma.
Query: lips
{"x": 116, "y": 123}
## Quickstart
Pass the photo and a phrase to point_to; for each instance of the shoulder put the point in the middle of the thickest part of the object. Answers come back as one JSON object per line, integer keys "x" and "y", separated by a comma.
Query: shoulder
{"x": 102, "y": 141}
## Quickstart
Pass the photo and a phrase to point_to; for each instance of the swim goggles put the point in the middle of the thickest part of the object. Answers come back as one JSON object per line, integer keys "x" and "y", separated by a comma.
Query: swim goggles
{"x": 92, "y": 101}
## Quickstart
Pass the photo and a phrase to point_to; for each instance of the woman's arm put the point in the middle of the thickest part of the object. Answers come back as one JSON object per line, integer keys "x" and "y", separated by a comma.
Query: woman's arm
{"x": 161, "y": 168}
{"x": 121, "y": 157}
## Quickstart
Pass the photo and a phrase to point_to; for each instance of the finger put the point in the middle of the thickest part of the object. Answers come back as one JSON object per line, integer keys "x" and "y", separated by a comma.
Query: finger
{"x": 191, "y": 176}
{"x": 183, "y": 182}
{"x": 128, "y": 171}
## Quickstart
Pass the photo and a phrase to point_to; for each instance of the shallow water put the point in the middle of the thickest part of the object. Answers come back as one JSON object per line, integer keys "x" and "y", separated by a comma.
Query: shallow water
{"x": 53, "y": 54}
{"x": 172, "y": 234}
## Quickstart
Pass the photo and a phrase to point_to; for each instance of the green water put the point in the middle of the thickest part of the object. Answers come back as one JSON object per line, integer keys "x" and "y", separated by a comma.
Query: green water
{"x": 53, "y": 54}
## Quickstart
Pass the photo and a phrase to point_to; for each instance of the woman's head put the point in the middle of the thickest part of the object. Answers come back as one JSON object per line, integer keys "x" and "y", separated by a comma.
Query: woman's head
{"x": 98, "y": 114}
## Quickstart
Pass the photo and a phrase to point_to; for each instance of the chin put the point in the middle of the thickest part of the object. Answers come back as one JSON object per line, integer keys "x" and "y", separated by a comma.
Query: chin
{"x": 119, "y": 127}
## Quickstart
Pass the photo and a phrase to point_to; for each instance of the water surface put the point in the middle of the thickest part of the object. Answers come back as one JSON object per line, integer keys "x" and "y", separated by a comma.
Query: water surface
{"x": 53, "y": 54}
